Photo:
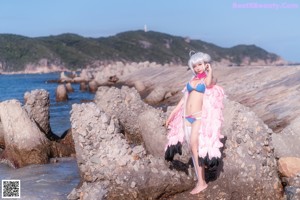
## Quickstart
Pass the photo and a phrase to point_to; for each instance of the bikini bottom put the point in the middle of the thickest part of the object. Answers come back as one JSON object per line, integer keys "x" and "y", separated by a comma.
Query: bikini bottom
{"x": 192, "y": 118}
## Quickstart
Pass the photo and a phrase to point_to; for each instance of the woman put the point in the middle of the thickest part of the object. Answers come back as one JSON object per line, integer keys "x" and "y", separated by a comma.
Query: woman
{"x": 197, "y": 119}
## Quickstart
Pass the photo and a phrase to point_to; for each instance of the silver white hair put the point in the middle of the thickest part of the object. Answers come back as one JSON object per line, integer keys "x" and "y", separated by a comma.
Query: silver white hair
{"x": 197, "y": 58}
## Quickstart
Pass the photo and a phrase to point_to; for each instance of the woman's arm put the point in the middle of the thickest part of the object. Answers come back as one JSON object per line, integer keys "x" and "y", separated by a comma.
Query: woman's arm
{"x": 209, "y": 77}
{"x": 180, "y": 103}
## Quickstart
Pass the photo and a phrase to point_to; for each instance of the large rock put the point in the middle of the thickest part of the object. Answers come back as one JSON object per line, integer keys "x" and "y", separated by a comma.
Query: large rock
{"x": 141, "y": 122}
{"x": 139, "y": 85}
{"x": 85, "y": 75}
{"x": 271, "y": 92}
{"x": 37, "y": 104}
{"x": 25, "y": 132}
{"x": 286, "y": 143}
{"x": 64, "y": 146}
{"x": 83, "y": 86}
{"x": 248, "y": 165}
{"x": 111, "y": 168}
{"x": 157, "y": 95}
{"x": 69, "y": 88}
{"x": 151, "y": 123}
{"x": 24, "y": 142}
{"x": 61, "y": 93}
{"x": 248, "y": 168}
{"x": 64, "y": 78}
{"x": 126, "y": 105}
{"x": 93, "y": 86}
{"x": 289, "y": 166}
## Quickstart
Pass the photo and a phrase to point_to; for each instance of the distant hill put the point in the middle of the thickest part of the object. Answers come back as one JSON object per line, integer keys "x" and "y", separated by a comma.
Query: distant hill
{"x": 74, "y": 51}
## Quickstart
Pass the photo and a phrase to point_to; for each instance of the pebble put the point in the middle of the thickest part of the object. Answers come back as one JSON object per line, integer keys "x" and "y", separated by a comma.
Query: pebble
{"x": 132, "y": 185}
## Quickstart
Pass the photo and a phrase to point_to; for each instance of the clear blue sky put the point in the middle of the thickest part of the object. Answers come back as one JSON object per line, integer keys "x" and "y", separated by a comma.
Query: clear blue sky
{"x": 270, "y": 24}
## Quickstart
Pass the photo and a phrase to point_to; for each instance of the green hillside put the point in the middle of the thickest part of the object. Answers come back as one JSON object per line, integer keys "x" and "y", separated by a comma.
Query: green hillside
{"x": 74, "y": 51}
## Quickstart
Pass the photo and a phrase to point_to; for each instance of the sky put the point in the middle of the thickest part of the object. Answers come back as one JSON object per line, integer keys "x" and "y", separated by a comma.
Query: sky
{"x": 269, "y": 24}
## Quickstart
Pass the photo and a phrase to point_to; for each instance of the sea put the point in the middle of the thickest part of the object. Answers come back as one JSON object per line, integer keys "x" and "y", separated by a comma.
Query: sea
{"x": 53, "y": 181}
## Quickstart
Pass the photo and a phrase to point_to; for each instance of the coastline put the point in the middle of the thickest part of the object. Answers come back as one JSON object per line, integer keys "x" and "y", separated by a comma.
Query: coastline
{"x": 248, "y": 85}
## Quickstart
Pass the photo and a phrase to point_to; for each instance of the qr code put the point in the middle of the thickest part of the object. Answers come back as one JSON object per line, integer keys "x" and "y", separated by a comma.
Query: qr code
{"x": 11, "y": 189}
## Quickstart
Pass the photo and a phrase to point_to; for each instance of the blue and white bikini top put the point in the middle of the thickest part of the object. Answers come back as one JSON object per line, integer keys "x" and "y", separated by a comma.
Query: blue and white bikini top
{"x": 199, "y": 88}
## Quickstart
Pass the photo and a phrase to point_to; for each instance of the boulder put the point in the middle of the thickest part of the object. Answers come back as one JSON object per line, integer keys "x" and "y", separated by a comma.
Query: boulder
{"x": 69, "y": 88}
{"x": 248, "y": 163}
{"x": 289, "y": 166}
{"x": 113, "y": 79}
{"x": 26, "y": 132}
{"x": 126, "y": 105}
{"x": 156, "y": 96}
{"x": 112, "y": 168}
{"x": 85, "y": 75}
{"x": 93, "y": 86}
{"x": 64, "y": 78}
{"x": 248, "y": 168}
{"x": 151, "y": 123}
{"x": 37, "y": 104}
{"x": 61, "y": 93}
{"x": 83, "y": 86}
{"x": 64, "y": 146}
{"x": 286, "y": 143}
{"x": 139, "y": 85}
{"x": 24, "y": 142}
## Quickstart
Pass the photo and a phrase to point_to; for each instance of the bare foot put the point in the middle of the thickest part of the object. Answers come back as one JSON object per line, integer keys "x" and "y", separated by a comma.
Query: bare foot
{"x": 198, "y": 189}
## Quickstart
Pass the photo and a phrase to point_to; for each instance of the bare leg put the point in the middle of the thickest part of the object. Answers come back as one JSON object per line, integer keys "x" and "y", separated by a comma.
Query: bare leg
{"x": 201, "y": 184}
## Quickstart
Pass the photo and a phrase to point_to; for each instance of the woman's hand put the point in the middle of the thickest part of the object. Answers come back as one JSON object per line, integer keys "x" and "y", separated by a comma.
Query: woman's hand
{"x": 208, "y": 67}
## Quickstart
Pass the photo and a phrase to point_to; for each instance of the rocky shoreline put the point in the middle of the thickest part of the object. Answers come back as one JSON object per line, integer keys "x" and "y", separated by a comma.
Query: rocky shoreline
{"x": 120, "y": 138}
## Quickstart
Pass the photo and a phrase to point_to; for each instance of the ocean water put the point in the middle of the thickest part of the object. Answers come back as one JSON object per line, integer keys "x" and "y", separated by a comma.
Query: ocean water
{"x": 15, "y": 86}
{"x": 53, "y": 180}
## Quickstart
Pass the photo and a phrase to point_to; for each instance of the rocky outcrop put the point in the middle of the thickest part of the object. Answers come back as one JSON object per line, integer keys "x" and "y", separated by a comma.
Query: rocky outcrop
{"x": 64, "y": 78}
{"x": 249, "y": 165}
{"x": 63, "y": 146}
{"x": 142, "y": 124}
{"x": 86, "y": 75}
{"x": 37, "y": 104}
{"x": 24, "y": 142}
{"x": 248, "y": 169}
{"x": 93, "y": 86}
{"x": 286, "y": 143}
{"x": 112, "y": 168}
{"x": 139, "y": 85}
{"x": 271, "y": 92}
{"x": 157, "y": 95}
{"x": 27, "y": 134}
{"x": 126, "y": 105}
{"x": 152, "y": 128}
{"x": 119, "y": 70}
